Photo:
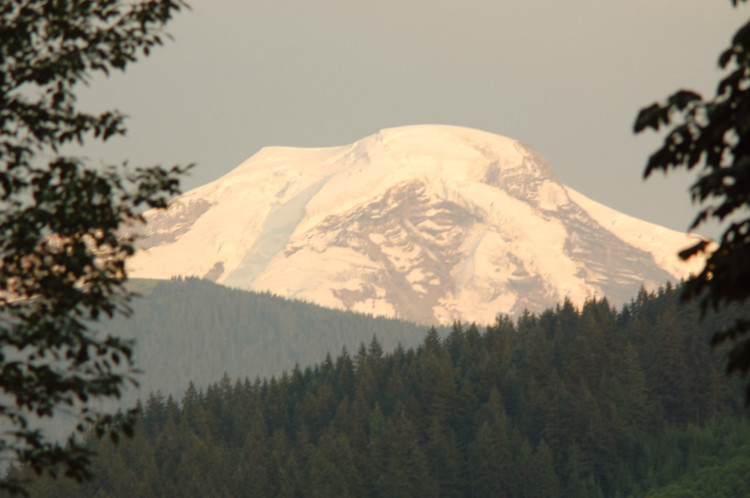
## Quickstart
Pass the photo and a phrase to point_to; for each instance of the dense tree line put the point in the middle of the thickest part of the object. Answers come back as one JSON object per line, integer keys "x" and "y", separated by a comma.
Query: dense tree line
{"x": 569, "y": 402}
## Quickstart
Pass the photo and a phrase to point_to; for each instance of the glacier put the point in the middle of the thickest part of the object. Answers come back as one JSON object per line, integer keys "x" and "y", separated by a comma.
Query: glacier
{"x": 430, "y": 223}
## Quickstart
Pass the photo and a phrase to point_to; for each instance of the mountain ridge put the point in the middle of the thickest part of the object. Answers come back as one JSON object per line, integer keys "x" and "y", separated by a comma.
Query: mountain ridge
{"x": 429, "y": 223}
{"x": 195, "y": 330}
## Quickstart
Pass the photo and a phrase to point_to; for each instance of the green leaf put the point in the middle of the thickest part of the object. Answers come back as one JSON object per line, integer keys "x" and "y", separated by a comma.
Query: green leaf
{"x": 649, "y": 117}
{"x": 682, "y": 99}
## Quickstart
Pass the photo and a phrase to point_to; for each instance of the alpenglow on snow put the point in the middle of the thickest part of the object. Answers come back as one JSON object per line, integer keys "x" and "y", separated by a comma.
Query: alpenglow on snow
{"x": 428, "y": 223}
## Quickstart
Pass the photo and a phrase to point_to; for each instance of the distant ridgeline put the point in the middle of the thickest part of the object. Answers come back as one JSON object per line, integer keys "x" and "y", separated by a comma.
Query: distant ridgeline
{"x": 589, "y": 402}
{"x": 194, "y": 330}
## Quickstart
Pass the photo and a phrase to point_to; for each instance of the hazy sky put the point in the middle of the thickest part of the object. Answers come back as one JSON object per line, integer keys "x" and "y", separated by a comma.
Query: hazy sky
{"x": 566, "y": 77}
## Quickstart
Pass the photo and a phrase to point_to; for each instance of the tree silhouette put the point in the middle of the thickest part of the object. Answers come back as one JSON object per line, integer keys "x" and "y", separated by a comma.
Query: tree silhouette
{"x": 63, "y": 246}
{"x": 714, "y": 135}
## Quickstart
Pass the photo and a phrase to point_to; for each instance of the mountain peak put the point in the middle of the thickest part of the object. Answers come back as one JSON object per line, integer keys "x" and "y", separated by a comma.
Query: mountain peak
{"x": 430, "y": 223}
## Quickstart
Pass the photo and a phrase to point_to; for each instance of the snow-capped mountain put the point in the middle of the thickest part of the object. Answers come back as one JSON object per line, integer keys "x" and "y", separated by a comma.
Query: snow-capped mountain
{"x": 429, "y": 223}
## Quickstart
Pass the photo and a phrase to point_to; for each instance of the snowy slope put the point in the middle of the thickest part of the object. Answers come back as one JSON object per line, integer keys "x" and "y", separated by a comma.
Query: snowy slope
{"x": 429, "y": 223}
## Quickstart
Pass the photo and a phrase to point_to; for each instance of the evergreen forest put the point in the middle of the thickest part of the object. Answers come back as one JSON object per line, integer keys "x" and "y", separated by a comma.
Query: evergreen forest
{"x": 193, "y": 329}
{"x": 590, "y": 401}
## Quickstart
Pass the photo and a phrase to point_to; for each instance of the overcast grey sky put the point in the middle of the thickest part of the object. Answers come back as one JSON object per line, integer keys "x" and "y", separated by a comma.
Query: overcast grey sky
{"x": 566, "y": 77}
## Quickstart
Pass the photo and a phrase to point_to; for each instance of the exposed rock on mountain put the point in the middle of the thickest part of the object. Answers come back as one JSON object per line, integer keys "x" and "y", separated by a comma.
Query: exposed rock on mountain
{"x": 427, "y": 223}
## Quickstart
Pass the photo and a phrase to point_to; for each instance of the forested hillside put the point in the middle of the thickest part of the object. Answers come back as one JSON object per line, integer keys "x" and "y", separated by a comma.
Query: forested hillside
{"x": 589, "y": 402}
{"x": 196, "y": 330}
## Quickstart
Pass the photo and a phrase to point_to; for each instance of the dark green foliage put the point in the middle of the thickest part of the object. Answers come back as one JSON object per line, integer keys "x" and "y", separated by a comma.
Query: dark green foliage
{"x": 714, "y": 134}
{"x": 62, "y": 244}
{"x": 727, "y": 476}
{"x": 567, "y": 403}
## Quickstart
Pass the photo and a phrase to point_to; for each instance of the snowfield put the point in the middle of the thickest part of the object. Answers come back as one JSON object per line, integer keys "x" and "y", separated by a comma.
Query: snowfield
{"x": 429, "y": 223}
